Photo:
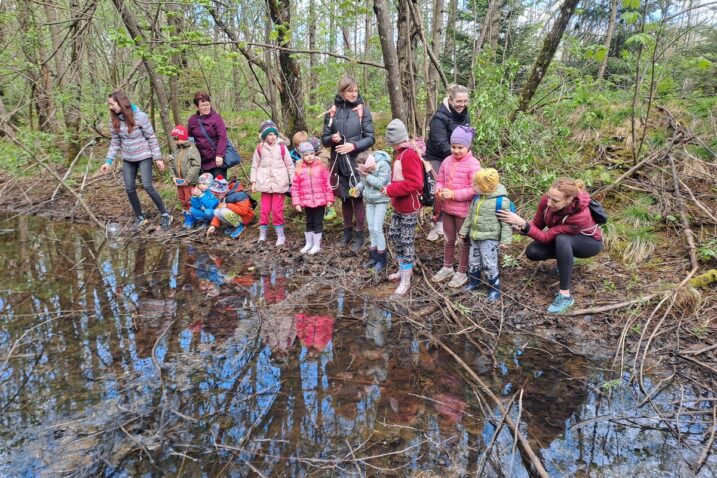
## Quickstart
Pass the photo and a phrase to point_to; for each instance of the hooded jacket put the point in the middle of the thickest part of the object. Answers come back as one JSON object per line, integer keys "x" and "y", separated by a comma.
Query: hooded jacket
{"x": 137, "y": 145}
{"x": 186, "y": 163}
{"x": 217, "y": 131}
{"x": 271, "y": 168}
{"x": 354, "y": 128}
{"x": 457, "y": 175}
{"x": 310, "y": 187}
{"x": 406, "y": 182}
{"x": 575, "y": 218}
{"x": 443, "y": 122}
{"x": 482, "y": 224}
{"x": 372, "y": 183}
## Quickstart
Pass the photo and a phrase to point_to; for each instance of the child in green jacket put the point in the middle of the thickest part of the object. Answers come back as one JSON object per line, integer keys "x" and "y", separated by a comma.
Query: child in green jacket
{"x": 487, "y": 234}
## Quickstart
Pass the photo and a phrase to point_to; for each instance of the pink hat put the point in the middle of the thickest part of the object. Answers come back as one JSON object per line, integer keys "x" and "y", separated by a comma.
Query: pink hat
{"x": 368, "y": 164}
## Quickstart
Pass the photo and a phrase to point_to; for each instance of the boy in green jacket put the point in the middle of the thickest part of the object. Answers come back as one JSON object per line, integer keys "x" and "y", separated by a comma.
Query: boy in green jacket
{"x": 487, "y": 234}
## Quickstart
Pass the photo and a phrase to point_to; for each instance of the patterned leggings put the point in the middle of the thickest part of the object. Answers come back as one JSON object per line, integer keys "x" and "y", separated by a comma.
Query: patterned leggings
{"x": 402, "y": 233}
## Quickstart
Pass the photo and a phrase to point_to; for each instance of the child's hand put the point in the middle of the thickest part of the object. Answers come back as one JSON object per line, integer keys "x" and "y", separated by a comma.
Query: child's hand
{"x": 211, "y": 230}
{"x": 447, "y": 194}
{"x": 384, "y": 191}
{"x": 196, "y": 191}
{"x": 105, "y": 168}
{"x": 504, "y": 247}
{"x": 298, "y": 208}
{"x": 253, "y": 187}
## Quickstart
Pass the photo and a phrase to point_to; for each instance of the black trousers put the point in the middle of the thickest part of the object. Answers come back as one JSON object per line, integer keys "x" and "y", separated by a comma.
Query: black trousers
{"x": 564, "y": 248}
{"x": 315, "y": 219}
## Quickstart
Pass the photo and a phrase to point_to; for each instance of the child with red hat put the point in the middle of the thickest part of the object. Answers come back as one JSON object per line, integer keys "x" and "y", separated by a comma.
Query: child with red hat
{"x": 185, "y": 165}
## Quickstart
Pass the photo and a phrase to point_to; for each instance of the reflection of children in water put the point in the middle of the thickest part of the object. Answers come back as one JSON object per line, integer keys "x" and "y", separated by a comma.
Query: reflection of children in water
{"x": 278, "y": 325}
{"x": 154, "y": 296}
{"x": 314, "y": 331}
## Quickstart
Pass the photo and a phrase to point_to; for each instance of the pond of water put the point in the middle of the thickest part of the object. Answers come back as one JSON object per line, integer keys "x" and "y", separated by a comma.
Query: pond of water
{"x": 126, "y": 358}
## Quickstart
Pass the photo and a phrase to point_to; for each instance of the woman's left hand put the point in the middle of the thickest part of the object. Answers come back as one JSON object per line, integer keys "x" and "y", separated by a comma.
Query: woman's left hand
{"x": 509, "y": 217}
{"x": 219, "y": 160}
{"x": 160, "y": 165}
{"x": 345, "y": 148}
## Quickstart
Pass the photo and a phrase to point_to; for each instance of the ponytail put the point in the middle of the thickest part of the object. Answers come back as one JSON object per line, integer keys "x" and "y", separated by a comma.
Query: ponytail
{"x": 568, "y": 186}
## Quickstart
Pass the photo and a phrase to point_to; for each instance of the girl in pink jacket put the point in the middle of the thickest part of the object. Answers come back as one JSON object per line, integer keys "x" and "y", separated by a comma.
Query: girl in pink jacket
{"x": 271, "y": 172}
{"x": 311, "y": 191}
{"x": 455, "y": 188}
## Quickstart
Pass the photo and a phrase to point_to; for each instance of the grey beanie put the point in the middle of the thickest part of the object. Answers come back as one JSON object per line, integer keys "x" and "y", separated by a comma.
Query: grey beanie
{"x": 396, "y": 132}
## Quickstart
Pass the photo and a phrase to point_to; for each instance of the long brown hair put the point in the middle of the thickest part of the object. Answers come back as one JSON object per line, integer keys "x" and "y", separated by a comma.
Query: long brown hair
{"x": 126, "y": 108}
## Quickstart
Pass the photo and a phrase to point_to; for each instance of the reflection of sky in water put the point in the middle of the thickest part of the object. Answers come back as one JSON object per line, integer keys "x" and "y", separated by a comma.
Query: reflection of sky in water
{"x": 306, "y": 405}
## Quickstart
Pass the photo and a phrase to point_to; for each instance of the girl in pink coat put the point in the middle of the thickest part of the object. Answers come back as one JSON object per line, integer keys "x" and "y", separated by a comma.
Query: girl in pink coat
{"x": 455, "y": 188}
{"x": 311, "y": 191}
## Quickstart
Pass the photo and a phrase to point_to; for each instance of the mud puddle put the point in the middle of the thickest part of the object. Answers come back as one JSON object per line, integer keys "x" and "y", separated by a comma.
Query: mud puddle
{"x": 134, "y": 359}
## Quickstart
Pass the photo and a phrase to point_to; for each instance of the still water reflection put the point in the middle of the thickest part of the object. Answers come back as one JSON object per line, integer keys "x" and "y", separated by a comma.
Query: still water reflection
{"x": 143, "y": 359}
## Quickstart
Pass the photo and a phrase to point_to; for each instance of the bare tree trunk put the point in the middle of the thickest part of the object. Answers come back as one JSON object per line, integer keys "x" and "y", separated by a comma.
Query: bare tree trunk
{"x": 6, "y": 127}
{"x": 550, "y": 45}
{"x": 367, "y": 38}
{"x": 154, "y": 78}
{"x": 174, "y": 21}
{"x": 272, "y": 87}
{"x": 436, "y": 35}
{"x": 390, "y": 59}
{"x": 313, "y": 57}
{"x": 347, "y": 39}
{"x": 405, "y": 46}
{"x": 608, "y": 38}
{"x": 449, "y": 47}
{"x": 291, "y": 92}
{"x": 332, "y": 25}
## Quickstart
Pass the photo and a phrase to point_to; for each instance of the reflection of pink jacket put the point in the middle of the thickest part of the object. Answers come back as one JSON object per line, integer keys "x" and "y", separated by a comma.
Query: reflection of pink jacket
{"x": 315, "y": 330}
{"x": 457, "y": 175}
{"x": 311, "y": 187}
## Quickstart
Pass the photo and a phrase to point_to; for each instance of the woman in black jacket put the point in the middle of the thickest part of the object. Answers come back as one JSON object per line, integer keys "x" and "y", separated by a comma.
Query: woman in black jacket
{"x": 348, "y": 130}
{"x": 451, "y": 112}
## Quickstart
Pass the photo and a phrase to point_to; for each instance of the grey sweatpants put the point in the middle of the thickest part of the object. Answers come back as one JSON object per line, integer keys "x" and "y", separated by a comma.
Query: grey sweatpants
{"x": 484, "y": 257}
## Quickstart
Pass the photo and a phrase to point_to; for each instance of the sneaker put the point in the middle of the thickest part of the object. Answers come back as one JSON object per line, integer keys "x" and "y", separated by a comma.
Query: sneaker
{"x": 166, "y": 221}
{"x": 139, "y": 221}
{"x": 458, "y": 279}
{"x": 236, "y": 232}
{"x": 442, "y": 274}
{"x": 228, "y": 231}
{"x": 561, "y": 304}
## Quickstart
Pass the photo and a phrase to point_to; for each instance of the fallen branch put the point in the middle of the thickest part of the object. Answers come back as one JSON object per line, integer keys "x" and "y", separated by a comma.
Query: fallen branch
{"x": 537, "y": 468}
{"x": 683, "y": 214}
{"x": 619, "y": 305}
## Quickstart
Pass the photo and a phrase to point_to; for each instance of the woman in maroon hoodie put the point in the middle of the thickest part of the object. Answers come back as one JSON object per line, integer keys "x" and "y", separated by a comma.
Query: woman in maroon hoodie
{"x": 563, "y": 228}
{"x": 207, "y": 128}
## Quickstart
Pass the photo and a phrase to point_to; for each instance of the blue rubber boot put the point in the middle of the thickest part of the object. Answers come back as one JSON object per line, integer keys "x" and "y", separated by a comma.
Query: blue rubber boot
{"x": 494, "y": 289}
{"x": 237, "y": 231}
{"x": 474, "y": 282}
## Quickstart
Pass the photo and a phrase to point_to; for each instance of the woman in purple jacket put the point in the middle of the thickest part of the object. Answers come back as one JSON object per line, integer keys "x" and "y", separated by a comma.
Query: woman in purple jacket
{"x": 207, "y": 128}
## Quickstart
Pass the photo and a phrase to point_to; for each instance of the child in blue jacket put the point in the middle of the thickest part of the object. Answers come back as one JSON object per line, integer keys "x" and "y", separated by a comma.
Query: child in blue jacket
{"x": 203, "y": 202}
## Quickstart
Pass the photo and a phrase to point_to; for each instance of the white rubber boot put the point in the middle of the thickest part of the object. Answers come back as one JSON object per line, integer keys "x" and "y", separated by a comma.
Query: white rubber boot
{"x": 317, "y": 244}
{"x": 309, "y": 242}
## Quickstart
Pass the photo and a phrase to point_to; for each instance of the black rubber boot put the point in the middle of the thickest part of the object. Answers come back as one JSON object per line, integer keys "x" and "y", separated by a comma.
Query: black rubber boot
{"x": 346, "y": 238}
{"x": 371, "y": 259}
{"x": 381, "y": 261}
{"x": 494, "y": 292}
{"x": 357, "y": 242}
{"x": 474, "y": 282}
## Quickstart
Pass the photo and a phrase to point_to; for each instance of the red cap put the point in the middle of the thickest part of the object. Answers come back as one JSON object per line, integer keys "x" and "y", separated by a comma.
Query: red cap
{"x": 180, "y": 132}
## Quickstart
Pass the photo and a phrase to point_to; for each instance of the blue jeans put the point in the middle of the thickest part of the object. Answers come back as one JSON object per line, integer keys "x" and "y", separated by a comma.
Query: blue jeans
{"x": 375, "y": 215}
{"x": 129, "y": 174}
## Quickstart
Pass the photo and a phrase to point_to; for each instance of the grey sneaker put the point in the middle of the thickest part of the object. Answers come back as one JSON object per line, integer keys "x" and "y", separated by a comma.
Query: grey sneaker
{"x": 458, "y": 280}
{"x": 166, "y": 221}
{"x": 139, "y": 221}
{"x": 443, "y": 274}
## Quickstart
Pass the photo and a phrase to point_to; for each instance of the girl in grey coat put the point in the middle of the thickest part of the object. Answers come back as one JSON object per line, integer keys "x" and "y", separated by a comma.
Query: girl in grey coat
{"x": 375, "y": 170}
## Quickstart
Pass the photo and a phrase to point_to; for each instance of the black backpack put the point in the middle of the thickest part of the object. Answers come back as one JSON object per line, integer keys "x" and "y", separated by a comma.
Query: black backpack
{"x": 597, "y": 212}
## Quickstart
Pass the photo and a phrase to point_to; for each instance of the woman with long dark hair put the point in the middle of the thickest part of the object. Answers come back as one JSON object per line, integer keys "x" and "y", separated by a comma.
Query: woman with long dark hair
{"x": 134, "y": 140}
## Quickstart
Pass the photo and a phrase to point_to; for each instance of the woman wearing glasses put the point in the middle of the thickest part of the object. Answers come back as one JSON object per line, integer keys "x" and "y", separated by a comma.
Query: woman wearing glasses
{"x": 451, "y": 113}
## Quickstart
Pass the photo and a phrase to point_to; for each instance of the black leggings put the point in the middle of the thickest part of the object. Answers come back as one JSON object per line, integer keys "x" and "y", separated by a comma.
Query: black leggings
{"x": 564, "y": 248}
{"x": 315, "y": 219}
